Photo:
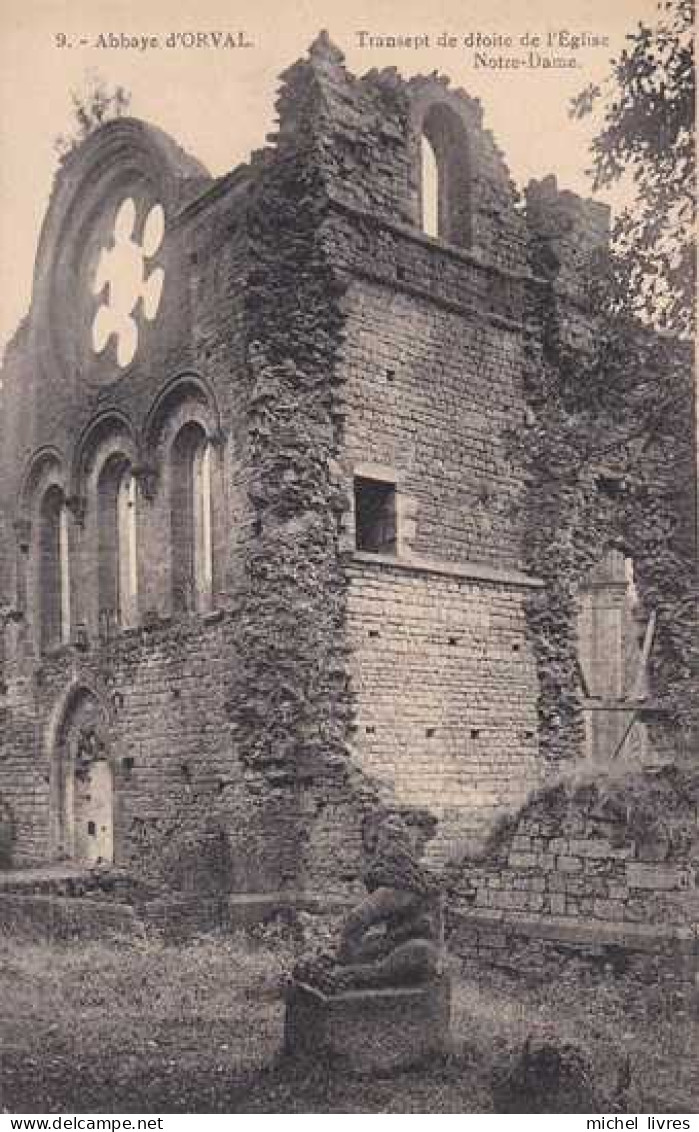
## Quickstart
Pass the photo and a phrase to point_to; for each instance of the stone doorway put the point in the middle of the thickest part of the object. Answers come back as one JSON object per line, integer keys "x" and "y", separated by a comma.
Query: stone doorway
{"x": 83, "y": 787}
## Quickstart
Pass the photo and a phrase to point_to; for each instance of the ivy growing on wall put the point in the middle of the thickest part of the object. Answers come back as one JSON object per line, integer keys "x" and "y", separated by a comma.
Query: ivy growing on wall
{"x": 290, "y": 703}
{"x": 608, "y": 450}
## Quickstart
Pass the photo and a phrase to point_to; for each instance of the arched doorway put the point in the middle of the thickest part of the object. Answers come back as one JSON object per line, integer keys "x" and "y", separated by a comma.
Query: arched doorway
{"x": 83, "y": 783}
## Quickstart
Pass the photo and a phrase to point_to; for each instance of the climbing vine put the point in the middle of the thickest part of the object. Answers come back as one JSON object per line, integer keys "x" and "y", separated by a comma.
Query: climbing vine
{"x": 608, "y": 454}
{"x": 90, "y": 748}
{"x": 290, "y": 703}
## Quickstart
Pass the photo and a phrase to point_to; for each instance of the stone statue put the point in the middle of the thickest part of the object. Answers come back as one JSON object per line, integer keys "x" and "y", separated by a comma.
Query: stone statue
{"x": 393, "y": 937}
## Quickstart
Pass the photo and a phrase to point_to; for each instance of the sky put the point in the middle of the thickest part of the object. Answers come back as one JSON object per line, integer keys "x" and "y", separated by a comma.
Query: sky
{"x": 218, "y": 103}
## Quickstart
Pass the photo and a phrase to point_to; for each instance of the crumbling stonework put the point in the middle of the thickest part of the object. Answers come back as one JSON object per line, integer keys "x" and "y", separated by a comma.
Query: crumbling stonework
{"x": 610, "y": 455}
{"x": 602, "y": 867}
{"x": 343, "y": 602}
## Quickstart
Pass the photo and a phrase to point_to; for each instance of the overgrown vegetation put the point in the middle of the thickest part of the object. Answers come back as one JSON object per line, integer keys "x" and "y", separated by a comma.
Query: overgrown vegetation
{"x": 608, "y": 450}
{"x": 94, "y": 105}
{"x": 611, "y": 441}
{"x": 138, "y": 1026}
{"x": 647, "y": 137}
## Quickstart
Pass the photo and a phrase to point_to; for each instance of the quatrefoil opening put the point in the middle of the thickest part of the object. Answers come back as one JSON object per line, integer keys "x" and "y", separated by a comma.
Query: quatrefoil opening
{"x": 122, "y": 270}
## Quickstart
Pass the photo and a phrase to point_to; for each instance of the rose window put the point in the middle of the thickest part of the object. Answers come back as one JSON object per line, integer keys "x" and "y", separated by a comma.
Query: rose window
{"x": 124, "y": 278}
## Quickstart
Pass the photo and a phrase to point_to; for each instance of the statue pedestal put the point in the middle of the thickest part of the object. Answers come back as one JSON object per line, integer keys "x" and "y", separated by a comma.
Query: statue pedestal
{"x": 369, "y": 1031}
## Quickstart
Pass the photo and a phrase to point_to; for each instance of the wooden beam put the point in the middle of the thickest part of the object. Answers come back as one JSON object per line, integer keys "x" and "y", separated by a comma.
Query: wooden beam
{"x": 637, "y": 693}
{"x": 583, "y": 682}
{"x": 627, "y": 732}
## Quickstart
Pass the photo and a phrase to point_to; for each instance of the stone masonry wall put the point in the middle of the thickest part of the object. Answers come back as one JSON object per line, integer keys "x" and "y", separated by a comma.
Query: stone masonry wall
{"x": 445, "y": 688}
{"x": 162, "y": 686}
{"x": 322, "y": 334}
{"x": 167, "y": 731}
{"x": 432, "y": 394}
{"x": 226, "y": 733}
{"x": 605, "y": 867}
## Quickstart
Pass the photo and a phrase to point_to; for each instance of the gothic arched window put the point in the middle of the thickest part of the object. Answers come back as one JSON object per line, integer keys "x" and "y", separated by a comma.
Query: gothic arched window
{"x": 430, "y": 188}
{"x": 190, "y": 519}
{"x": 53, "y": 577}
{"x": 118, "y": 571}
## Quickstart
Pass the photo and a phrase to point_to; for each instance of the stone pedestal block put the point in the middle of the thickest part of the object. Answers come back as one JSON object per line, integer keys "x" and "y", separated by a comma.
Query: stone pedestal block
{"x": 369, "y": 1031}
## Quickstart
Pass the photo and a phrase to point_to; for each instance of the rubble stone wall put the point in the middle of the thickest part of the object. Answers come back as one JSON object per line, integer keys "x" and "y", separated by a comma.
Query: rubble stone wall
{"x": 604, "y": 869}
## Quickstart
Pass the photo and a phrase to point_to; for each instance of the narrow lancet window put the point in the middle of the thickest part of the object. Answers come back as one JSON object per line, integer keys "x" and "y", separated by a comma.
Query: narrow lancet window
{"x": 191, "y": 520}
{"x": 118, "y": 570}
{"x": 430, "y": 188}
{"x": 54, "y": 590}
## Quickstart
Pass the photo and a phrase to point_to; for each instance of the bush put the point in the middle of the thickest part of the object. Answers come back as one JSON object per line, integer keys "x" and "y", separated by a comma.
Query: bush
{"x": 546, "y": 1075}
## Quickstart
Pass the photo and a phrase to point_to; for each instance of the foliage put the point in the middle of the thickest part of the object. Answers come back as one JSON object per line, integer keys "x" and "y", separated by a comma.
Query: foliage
{"x": 586, "y": 1022}
{"x": 546, "y": 1075}
{"x": 608, "y": 445}
{"x": 608, "y": 450}
{"x": 647, "y": 135}
{"x": 143, "y": 1027}
{"x": 290, "y": 705}
{"x": 90, "y": 749}
{"x": 96, "y": 104}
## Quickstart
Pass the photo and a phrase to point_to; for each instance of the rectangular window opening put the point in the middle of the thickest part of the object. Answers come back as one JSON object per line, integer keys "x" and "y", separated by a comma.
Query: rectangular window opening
{"x": 375, "y": 516}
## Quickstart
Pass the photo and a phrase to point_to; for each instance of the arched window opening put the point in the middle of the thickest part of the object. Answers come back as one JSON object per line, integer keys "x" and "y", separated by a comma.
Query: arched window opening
{"x": 445, "y": 176}
{"x": 430, "y": 188}
{"x": 191, "y": 525}
{"x": 53, "y": 580}
{"x": 118, "y": 574}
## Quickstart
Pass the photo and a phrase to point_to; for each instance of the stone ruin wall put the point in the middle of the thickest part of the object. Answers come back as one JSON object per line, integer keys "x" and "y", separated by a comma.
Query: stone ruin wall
{"x": 339, "y": 339}
{"x": 600, "y": 870}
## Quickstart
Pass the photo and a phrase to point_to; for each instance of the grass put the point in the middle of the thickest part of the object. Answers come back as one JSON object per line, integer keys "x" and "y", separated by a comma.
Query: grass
{"x": 140, "y": 1026}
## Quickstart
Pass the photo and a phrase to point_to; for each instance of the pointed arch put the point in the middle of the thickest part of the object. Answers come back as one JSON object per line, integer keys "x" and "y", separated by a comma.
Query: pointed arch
{"x": 44, "y": 465}
{"x": 75, "y": 693}
{"x": 117, "y": 543}
{"x": 183, "y": 430}
{"x": 44, "y": 575}
{"x": 81, "y": 776}
{"x": 191, "y": 519}
{"x": 109, "y": 423}
{"x": 184, "y": 388}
